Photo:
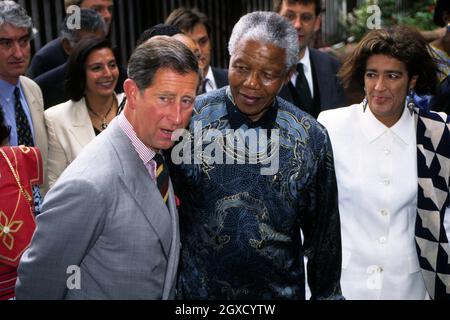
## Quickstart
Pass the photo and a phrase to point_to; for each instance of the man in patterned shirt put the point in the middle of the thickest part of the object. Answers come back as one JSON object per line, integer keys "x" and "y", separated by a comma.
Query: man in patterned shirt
{"x": 257, "y": 171}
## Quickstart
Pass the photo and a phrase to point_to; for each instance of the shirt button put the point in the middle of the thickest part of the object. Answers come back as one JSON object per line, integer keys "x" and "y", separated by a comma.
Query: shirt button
{"x": 387, "y": 151}
{"x": 384, "y": 212}
{"x": 386, "y": 182}
{"x": 382, "y": 240}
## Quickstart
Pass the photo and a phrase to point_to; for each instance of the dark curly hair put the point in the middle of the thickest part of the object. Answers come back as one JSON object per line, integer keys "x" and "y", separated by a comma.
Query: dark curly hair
{"x": 75, "y": 84}
{"x": 403, "y": 43}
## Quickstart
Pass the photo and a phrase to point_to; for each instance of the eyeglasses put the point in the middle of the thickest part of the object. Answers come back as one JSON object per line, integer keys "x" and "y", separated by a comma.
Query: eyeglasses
{"x": 304, "y": 17}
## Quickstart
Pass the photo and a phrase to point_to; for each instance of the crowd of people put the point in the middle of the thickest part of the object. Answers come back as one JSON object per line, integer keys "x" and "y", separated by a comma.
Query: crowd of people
{"x": 175, "y": 179}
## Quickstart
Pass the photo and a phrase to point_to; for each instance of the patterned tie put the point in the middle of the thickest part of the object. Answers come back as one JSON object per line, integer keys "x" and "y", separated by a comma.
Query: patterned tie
{"x": 162, "y": 177}
{"x": 24, "y": 135}
{"x": 304, "y": 93}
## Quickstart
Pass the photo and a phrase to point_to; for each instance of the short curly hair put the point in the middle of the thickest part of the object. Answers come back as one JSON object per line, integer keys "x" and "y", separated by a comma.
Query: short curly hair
{"x": 403, "y": 43}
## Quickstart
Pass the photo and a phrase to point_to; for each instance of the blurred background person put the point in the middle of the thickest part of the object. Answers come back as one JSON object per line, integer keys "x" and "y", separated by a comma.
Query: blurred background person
{"x": 91, "y": 78}
{"x": 392, "y": 165}
{"x": 55, "y": 53}
{"x": 20, "y": 173}
{"x": 52, "y": 81}
{"x": 196, "y": 25}
{"x": 314, "y": 86}
{"x": 20, "y": 97}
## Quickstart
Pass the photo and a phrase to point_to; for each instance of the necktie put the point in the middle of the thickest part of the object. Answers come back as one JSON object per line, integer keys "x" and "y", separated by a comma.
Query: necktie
{"x": 162, "y": 177}
{"x": 204, "y": 84}
{"x": 24, "y": 136}
{"x": 301, "y": 84}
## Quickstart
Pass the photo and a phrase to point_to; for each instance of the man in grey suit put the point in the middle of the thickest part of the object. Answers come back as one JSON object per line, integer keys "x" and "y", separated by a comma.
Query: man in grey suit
{"x": 105, "y": 231}
{"x": 314, "y": 86}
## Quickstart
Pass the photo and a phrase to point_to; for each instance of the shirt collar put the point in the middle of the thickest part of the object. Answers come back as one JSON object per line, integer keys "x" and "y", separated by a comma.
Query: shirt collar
{"x": 306, "y": 66}
{"x": 237, "y": 119}
{"x": 305, "y": 59}
{"x": 146, "y": 154}
{"x": 372, "y": 128}
{"x": 210, "y": 77}
{"x": 7, "y": 89}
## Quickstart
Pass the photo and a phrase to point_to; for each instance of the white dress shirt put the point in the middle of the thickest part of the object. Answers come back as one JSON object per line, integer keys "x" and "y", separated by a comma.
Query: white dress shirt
{"x": 376, "y": 171}
{"x": 211, "y": 83}
{"x": 306, "y": 61}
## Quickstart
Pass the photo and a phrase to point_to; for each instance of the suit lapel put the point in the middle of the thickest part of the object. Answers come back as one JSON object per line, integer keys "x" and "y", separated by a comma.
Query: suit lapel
{"x": 138, "y": 182}
{"x": 81, "y": 129}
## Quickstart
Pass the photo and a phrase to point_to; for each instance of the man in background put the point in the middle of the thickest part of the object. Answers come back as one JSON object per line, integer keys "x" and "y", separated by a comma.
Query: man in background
{"x": 52, "y": 81}
{"x": 54, "y": 53}
{"x": 197, "y": 26}
{"x": 314, "y": 86}
{"x": 20, "y": 97}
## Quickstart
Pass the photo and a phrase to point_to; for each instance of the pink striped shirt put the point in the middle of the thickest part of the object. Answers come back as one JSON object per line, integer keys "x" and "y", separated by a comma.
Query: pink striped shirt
{"x": 146, "y": 154}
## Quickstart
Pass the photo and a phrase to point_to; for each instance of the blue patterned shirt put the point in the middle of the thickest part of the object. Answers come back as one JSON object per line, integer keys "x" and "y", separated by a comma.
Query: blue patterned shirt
{"x": 240, "y": 229}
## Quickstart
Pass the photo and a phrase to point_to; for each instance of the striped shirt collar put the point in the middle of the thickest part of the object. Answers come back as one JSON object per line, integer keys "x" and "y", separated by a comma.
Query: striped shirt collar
{"x": 146, "y": 154}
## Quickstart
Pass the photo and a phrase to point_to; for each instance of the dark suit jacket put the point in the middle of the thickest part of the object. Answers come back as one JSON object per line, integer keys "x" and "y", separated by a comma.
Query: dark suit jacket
{"x": 220, "y": 76}
{"x": 328, "y": 91}
{"x": 47, "y": 58}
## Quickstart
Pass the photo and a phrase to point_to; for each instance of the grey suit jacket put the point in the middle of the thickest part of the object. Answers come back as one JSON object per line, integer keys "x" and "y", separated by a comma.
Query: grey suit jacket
{"x": 331, "y": 92}
{"x": 33, "y": 95}
{"x": 106, "y": 216}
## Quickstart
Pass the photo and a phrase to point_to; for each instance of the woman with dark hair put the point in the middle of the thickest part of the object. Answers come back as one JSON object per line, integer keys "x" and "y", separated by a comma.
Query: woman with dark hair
{"x": 91, "y": 78}
{"x": 20, "y": 175}
{"x": 392, "y": 164}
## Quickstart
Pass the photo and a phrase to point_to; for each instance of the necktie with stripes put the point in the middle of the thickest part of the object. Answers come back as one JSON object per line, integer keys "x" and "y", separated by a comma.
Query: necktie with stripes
{"x": 162, "y": 177}
{"x": 24, "y": 136}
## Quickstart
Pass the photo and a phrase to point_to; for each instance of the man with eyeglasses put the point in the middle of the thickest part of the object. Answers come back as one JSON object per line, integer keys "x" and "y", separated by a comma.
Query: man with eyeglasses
{"x": 314, "y": 86}
{"x": 20, "y": 97}
{"x": 54, "y": 54}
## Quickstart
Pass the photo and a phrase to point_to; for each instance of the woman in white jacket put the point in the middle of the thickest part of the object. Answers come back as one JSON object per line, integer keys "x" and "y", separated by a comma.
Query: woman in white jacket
{"x": 392, "y": 164}
{"x": 91, "y": 78}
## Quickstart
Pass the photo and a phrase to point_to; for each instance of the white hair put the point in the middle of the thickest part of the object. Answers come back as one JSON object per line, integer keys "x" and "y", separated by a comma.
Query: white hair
{"x": 268, "y": 28}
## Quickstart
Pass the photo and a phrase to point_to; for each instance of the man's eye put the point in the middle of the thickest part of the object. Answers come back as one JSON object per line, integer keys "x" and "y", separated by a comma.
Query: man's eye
{"x": 5, "y": 43}
{"x": 289, "y": 16}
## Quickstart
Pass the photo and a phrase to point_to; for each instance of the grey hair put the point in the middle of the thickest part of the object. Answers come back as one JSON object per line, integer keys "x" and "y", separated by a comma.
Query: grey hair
{"x": 160, "y": 52}
{"x": 90, "y": 21}
{"x": 267, "y": 28}
{"x": 14, "y": 14}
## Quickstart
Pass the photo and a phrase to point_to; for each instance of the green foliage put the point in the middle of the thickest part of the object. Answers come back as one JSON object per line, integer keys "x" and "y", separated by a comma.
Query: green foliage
{"x": 419, "y": 15}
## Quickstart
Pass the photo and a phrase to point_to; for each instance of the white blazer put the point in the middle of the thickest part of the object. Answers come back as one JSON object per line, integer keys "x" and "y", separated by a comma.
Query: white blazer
{"x": 33, "y": 95}
{"x": 69, "y": 130}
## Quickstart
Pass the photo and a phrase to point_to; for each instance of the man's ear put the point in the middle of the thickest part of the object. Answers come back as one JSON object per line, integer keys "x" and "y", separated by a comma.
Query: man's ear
{"x": 317, "y": 23}
{"x": 289, "y": 75}
{"x": 131, "y": 91}
{"x": 66, "y": 46}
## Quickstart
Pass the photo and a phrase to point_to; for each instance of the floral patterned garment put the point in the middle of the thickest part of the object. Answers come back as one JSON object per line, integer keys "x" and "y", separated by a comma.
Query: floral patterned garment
{"x": 240, "y": 229}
